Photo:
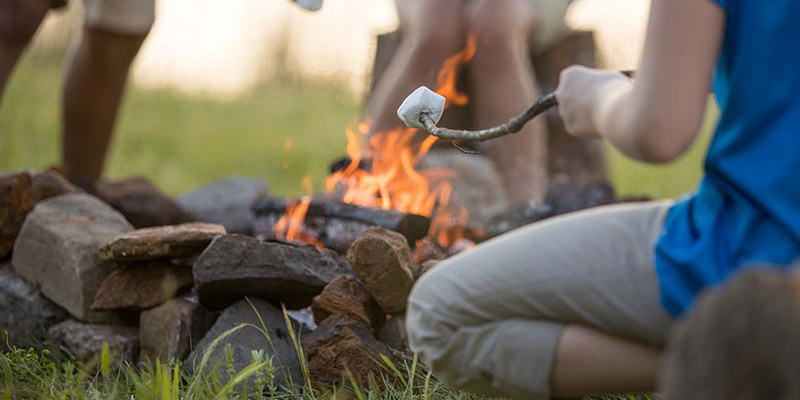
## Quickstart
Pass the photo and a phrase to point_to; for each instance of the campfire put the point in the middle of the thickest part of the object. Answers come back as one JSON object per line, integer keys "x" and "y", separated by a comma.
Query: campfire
{"x": 127, "y": 268}
{"x": 382, "y": 173}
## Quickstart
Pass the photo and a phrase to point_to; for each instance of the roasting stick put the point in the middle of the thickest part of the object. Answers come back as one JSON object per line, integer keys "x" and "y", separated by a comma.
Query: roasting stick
{"x": 512, "y": 126}
{"x": 423, "y": 109}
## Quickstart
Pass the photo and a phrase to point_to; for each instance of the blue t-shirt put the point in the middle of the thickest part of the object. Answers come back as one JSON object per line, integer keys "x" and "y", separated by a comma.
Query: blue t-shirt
{"x": 746, "y": 211}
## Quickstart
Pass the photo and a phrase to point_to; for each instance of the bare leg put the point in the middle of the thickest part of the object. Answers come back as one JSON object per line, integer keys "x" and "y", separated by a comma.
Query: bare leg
{"x": 432, "y": 31}
{"x": 590, "y": 362}
{"x": 503, "y": 85}
{"x": 92, "y": 93}
{"x": 19, "y": 20}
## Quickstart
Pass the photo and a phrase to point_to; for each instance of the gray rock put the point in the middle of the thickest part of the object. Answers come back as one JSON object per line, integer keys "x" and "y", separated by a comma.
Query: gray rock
{"x": 227, "y": 202}
{"x": 24, "y": 313}
{"x": 234, "y": 266}
{"x": 142, "y": 203}
{"x": 247, "y": 339}
{"x": 57, "y": 250}
{"x": 85, "y": 341}
{"x": 168, "y": 331}
{"x": 50, "y": 183}
{"x": 471, "y": 172}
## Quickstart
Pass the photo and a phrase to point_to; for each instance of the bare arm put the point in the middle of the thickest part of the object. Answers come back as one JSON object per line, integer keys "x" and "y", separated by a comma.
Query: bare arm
{"x": 657, "y": 117}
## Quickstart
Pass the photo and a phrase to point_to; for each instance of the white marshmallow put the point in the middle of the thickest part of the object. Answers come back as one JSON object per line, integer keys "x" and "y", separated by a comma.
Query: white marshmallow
{"x": 421, "y": 101}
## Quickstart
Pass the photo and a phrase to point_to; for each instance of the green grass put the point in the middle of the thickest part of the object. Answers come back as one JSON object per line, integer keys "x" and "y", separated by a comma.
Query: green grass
{"x": 32, "y": 374}
{"x": 182, "y": 141}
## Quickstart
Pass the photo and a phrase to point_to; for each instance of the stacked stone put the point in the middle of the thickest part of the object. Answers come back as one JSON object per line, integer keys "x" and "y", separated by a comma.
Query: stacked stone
{"x": 84, "y": 275}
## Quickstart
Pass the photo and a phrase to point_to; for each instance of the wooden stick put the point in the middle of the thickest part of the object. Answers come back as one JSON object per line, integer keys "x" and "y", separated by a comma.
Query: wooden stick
{"x": 514, "y": 125}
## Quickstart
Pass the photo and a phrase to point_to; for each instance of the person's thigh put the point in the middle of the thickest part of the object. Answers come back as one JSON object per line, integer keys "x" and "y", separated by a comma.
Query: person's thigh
{"x": 502, "y": 19}
{"x": 415, "y": 15}
{"x": 593, "y": 268}
{"x": 125, "y": 17}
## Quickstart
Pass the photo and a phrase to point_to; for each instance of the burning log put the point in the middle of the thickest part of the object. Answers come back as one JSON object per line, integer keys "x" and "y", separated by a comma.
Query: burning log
{"x": 413, "y": 227}
{"x": 334, "y": 233}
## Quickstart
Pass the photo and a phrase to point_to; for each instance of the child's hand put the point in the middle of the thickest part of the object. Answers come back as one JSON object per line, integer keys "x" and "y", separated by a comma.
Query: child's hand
{"x": 580, "y": 95}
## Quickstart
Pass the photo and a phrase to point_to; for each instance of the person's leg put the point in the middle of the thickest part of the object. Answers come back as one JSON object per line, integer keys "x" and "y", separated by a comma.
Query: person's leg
{"x": 19, "y": 20}
{"x": 432, "y": 31}
{"x": 590, "y": 361}
{"x": 92, "y": 92}
{"x": 503, "y": 85}
{"x": 562, "y": 308}
{"x": 96, "y": 78}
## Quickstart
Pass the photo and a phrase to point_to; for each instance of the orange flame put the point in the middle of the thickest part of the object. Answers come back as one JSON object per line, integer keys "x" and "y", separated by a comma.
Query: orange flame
{"x": 290, "y": 226}
{"x": 447, "y": 78}
{"x": 392, "y": 181}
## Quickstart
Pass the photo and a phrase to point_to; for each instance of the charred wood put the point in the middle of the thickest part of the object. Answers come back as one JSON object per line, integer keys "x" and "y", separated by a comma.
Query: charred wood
{"x": 413, "y": 227}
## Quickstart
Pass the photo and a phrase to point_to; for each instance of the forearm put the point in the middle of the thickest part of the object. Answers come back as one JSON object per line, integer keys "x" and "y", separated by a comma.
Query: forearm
{"x": 657, "y": 116}
{"x": 633, "y": 121}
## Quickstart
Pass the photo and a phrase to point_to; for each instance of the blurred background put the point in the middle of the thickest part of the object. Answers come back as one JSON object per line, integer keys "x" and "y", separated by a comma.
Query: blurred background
{"x": 262, "y": 89}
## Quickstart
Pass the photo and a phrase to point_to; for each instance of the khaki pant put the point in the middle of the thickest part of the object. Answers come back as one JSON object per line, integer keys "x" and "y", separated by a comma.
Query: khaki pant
{"x": 489, "y": 320}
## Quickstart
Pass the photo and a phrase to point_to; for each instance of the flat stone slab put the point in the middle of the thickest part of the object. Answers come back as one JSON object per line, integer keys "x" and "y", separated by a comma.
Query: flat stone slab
{"x": 24, "y": 313}
{"x": 234, "y": 266}
{"x": 57, "y": 250}
{"x": 140, "y": 287}
{"x": 16, "y": 200}
{"x": 228, "y": 202}
{"x": 85, "y": 341}
{"x": 247, "y": 315}
{"x": 160, "y": 242}
{"x": 167, "y": 332}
